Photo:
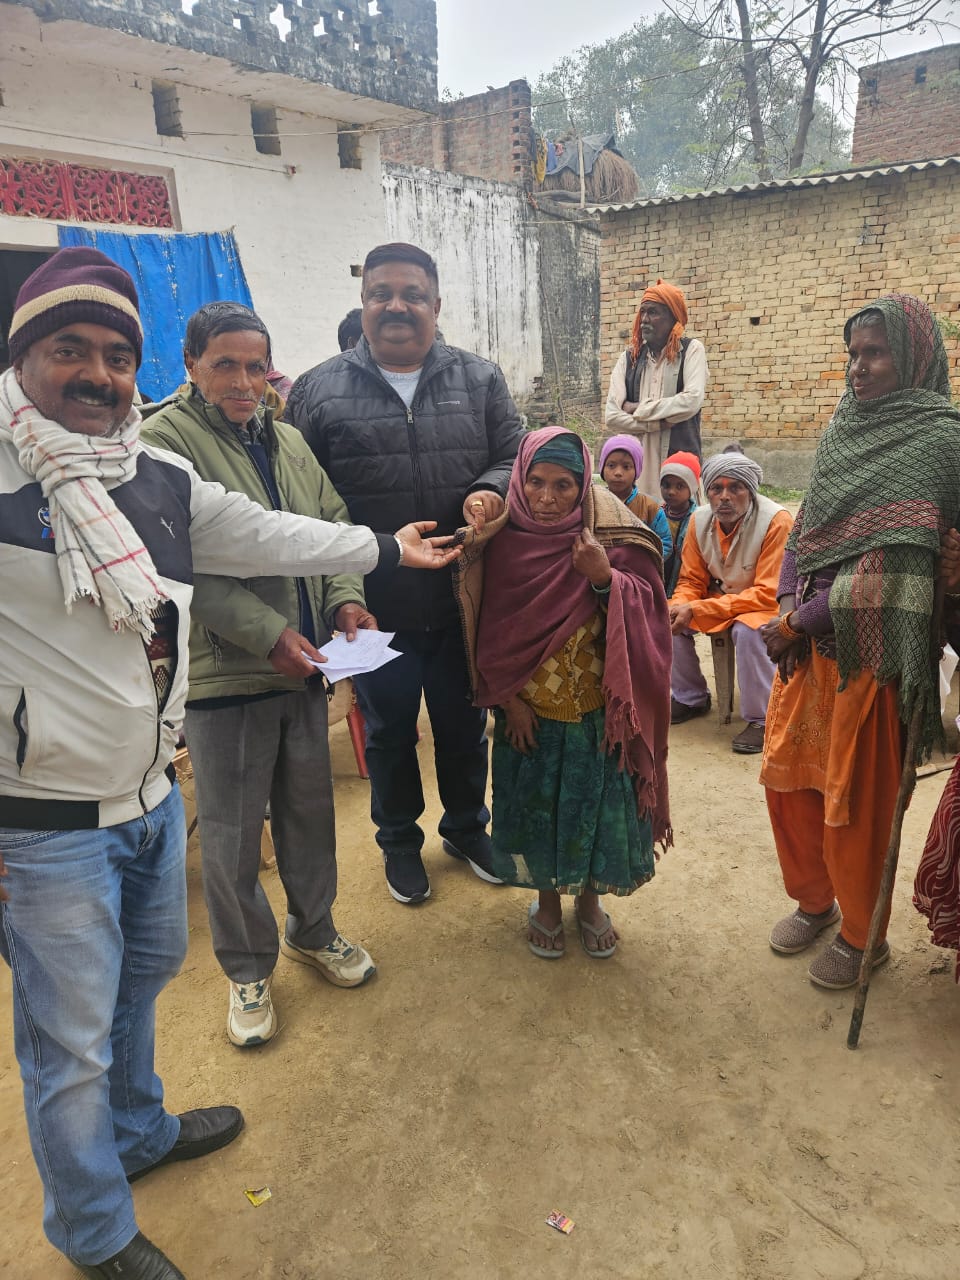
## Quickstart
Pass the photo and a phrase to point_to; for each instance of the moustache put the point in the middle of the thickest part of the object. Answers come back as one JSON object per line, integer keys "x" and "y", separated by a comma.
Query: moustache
{"x": 109, "y": 399}
{"x": 397, "y": 320}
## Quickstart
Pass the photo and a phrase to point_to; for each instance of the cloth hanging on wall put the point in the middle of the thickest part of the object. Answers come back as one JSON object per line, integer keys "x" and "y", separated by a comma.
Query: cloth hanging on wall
{"x": 174, "y": 275}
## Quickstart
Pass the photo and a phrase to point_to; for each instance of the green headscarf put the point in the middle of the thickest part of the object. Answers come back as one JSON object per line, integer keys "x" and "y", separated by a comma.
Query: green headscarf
{"x": 885, "y": 485}
{"x": 562, "y": 451}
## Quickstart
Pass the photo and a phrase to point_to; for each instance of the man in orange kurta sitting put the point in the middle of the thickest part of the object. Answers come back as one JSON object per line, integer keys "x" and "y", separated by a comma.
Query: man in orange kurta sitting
{"x": 728, "y": 579}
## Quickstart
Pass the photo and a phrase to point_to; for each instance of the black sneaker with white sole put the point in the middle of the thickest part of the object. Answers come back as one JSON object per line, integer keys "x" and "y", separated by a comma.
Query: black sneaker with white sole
{"x": 476, "y": 850}
{"x": 406, "y": 877}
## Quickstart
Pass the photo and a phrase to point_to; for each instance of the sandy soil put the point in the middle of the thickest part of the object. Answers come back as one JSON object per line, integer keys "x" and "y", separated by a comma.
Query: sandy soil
{"x": 691, "y": 1103}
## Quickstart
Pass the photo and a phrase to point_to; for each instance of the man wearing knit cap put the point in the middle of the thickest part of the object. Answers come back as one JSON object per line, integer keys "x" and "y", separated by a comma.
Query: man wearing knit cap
{"x": 728, "y": 581}
{"x": 100, "y": 538}
{"x": 658, "y": 384}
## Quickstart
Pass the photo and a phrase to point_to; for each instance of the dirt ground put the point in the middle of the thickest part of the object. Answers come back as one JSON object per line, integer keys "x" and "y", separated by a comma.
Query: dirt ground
{"x": 691, "y": 1103}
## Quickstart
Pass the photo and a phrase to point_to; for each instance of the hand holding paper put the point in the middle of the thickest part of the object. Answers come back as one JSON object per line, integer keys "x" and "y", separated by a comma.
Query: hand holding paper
{"x": 370, "y": 650}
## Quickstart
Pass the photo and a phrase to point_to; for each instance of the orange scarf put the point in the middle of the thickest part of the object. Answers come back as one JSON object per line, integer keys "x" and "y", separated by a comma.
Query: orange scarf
{"x": 673, "y": 299}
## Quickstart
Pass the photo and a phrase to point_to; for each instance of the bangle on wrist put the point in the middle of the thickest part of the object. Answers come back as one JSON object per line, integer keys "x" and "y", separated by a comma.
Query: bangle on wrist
{"x": 602, "y": 591}
{"x": 400, "y": 547}
{"x": 785, "y": 629}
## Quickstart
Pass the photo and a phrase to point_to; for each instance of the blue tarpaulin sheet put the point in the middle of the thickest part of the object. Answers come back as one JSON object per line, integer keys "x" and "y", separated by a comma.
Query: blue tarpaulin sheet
{"x": 174, "y": 275}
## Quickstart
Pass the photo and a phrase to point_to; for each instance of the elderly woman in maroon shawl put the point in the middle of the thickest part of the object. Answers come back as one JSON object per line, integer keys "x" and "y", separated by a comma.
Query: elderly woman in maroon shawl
{"x": 569, "y": 641}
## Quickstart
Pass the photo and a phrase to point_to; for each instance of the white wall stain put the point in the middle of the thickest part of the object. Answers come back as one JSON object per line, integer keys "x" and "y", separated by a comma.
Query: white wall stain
{"x": 487, "y": 258}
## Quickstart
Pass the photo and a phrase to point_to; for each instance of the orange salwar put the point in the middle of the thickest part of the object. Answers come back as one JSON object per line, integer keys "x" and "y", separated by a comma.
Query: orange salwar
{"x": 831, "y": 769}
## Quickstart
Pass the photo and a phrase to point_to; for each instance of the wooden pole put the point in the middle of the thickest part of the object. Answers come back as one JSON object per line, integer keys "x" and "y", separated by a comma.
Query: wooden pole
{"x": 583, "y": 176}
{"x": 908, "y": 780}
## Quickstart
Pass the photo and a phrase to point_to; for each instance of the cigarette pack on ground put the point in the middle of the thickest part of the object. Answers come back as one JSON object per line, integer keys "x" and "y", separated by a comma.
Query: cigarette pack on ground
{"x": 560, "y": 1222}
{"x": 257, "y": 1198}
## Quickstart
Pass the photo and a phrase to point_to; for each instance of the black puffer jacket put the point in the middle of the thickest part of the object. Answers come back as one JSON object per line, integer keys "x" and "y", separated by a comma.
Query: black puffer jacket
{"x": 392, "y": 465}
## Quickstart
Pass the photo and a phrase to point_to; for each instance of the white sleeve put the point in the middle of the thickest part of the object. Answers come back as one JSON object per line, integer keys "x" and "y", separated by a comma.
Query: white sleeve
{"x": 232, "y": 536}
{"x": 687, "y": 402}
{"x": 614, "y": 419}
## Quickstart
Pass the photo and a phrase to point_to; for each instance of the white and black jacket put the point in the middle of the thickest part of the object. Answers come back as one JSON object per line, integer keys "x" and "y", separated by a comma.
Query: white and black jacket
{"x": 82, "y": 741}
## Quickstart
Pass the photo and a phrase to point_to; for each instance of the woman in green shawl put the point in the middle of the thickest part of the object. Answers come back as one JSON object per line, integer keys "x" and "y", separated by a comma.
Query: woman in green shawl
{"x": 852, "y": 642}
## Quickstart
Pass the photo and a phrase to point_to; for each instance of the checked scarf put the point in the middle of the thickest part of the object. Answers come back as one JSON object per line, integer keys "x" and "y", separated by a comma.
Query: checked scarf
{"x": 885, "y": 485}
{"x": 99, "y": 553}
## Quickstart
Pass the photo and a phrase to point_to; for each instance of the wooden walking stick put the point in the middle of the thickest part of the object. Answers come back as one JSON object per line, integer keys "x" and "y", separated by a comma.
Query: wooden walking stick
{"x": 908, "y": 780}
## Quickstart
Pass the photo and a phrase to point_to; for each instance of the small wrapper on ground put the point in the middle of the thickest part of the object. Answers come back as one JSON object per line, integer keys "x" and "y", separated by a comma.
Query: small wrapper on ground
{"x": 559, "y": 1221}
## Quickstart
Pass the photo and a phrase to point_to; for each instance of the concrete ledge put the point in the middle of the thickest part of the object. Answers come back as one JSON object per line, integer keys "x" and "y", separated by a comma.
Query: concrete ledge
{"x": 787, "y": 466}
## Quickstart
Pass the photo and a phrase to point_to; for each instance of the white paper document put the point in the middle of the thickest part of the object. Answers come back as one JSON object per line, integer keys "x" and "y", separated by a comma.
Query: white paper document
{"x": 370, "y": 650}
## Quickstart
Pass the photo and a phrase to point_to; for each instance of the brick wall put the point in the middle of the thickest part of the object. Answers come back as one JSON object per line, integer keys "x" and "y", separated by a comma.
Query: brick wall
{"x": 770, "y": 277}
{"x": 909, "y": 108}
{"x": 486, "y": 136}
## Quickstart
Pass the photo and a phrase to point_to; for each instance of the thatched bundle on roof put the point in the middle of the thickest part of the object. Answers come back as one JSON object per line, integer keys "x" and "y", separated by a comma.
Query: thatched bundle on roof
{"x": 609, "y": 178}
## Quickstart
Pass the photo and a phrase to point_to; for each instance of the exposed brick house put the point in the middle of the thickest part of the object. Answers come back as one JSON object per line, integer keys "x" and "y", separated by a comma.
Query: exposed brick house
{"x": 486, "y": 136}
{"x": 909, "y": 108}
{"x": 771, "y": 271}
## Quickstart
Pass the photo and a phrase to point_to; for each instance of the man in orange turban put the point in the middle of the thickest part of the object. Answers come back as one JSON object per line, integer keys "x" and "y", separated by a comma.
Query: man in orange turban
{"x": 658, "y": 383}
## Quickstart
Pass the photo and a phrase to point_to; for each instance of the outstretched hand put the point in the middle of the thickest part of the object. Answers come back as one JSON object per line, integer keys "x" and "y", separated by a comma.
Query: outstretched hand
{"x": 425, "y": 553}
{"x": 480, "y": 506}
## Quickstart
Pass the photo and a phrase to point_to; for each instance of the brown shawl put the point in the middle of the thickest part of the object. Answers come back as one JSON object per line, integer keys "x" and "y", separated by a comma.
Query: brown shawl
{"x": 636, "y": 678}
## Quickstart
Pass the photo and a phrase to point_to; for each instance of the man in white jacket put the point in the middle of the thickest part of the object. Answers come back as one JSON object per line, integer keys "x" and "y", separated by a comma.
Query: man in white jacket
{"x": 99, "y": 539}
{"x": 658, "y": 384}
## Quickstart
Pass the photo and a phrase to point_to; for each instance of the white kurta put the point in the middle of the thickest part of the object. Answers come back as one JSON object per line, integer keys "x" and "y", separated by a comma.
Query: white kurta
{"x": 656, "y": 413}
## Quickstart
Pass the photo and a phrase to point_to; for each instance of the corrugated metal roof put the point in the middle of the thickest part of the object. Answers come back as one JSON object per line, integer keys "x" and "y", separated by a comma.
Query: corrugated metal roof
{"x": 776, "y": 184}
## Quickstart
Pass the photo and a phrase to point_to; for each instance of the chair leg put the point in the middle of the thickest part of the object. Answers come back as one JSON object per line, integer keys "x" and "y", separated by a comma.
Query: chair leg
{"x": 358, "y": 737}
{"x": 724, "y": 671}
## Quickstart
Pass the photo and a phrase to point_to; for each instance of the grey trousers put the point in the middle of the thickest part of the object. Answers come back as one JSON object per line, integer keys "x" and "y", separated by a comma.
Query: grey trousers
{"x": 755, "y": 673}
{"x": 242, "y": 757}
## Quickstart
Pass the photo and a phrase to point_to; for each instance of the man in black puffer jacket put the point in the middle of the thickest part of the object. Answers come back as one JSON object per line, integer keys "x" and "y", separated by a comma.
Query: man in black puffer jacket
{"x": 408, "y": 427}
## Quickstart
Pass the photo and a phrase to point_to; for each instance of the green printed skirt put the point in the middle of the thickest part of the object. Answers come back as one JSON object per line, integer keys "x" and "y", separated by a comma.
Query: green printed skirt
{"x": 565, "y": 816}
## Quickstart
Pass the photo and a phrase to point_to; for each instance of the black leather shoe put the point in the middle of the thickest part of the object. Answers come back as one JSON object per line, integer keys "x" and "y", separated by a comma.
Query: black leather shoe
{"x": 477, "y": 851}
{"x": 139, "y": 1260}
{"x": 201, "y": 1132}
{"x": 680, "y": 712}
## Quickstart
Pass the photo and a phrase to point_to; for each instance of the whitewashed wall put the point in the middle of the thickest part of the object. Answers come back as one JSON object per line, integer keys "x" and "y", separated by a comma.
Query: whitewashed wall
{"x": 299, "y": 219}
{"x": 487, "y": 260}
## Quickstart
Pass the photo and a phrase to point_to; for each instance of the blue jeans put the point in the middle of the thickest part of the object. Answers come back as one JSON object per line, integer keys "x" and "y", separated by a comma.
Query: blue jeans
{"x": 433, "y": 665}
{"x": 95, "y": 927}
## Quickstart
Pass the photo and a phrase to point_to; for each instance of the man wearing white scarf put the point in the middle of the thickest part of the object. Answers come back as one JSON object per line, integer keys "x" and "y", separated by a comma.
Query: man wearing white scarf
{"x": 100, "y": 536}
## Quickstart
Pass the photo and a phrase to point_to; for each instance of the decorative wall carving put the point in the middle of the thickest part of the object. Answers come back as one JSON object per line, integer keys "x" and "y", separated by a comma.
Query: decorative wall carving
{"x": 82, "y": 193}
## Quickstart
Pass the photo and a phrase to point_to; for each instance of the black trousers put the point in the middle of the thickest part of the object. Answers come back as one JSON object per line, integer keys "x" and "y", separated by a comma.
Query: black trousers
{"x": 433, "y": 666}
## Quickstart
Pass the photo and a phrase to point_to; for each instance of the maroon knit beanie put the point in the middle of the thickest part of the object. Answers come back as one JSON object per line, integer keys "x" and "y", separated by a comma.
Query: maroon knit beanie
{"x": 79, "y": 286}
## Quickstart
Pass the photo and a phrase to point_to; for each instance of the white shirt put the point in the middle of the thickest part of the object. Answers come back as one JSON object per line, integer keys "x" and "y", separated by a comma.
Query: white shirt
{"x": 405, "y": 384}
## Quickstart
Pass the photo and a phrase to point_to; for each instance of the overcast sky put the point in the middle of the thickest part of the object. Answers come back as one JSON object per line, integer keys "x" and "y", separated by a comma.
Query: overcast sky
{"x": 491, "y": 42}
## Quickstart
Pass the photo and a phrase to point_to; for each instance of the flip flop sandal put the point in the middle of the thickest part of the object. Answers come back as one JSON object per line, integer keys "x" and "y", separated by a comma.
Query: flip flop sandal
{"x": 543, "y": 952}
{"x": 596, "y": 934}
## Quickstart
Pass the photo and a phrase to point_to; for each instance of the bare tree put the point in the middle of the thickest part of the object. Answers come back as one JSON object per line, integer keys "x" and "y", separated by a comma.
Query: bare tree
{"x": 676, "y": 103}
{"x": 820, "y": 40}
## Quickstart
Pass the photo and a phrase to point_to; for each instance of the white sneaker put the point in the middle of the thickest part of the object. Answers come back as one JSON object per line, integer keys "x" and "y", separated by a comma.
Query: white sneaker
{"x": 251, "y": 1019}
{"x": 343, "y": 963}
